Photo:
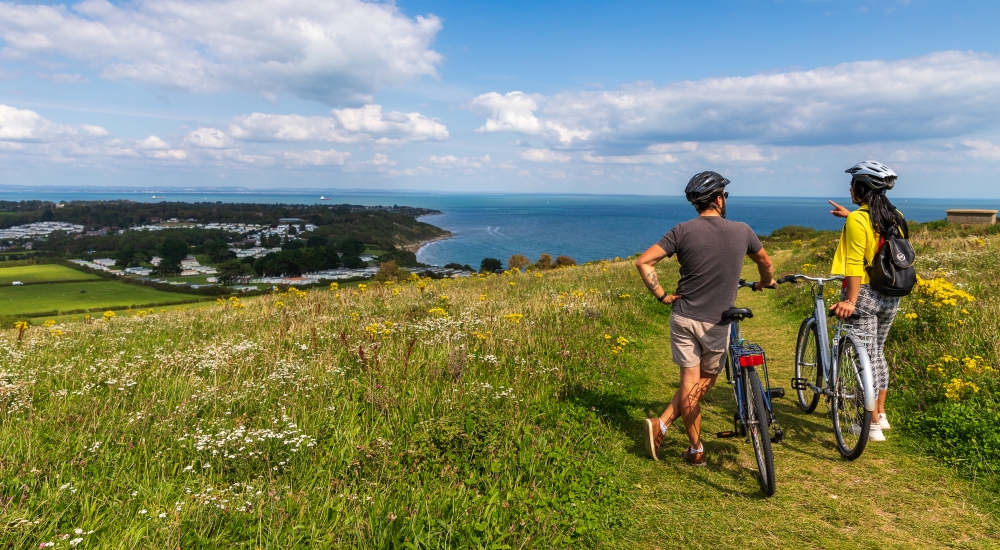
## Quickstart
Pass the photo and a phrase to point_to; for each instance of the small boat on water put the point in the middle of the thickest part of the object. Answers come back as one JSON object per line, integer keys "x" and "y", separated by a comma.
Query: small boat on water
{"x": 322, "y": 198}
{"x": 155, "y": 197}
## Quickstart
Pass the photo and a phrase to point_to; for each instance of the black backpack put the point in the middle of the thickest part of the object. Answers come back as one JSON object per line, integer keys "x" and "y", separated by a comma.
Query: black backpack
{"x": 892, "y": 272}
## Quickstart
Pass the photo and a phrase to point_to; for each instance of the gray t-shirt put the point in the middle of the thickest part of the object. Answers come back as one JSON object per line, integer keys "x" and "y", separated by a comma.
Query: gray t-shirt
{"x": 710, "y": 250}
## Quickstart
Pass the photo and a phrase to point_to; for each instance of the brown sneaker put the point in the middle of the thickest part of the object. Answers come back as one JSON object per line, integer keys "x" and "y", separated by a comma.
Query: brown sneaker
{"x": 654, "y": 436}
{"x": 695, "y": 458}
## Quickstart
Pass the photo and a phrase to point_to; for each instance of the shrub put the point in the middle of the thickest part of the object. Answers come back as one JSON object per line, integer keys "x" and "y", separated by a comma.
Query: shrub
{"x": 389, "y": 271}
{"x": 490, "y": 265}
{"x": 518, "y": 261}
{"x": 564, "y": 261}
{"x": 544, "y": 261}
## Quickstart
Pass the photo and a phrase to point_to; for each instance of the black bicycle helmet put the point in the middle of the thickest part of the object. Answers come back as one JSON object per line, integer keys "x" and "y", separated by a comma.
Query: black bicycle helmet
{"x": 874, "y": 174}
{"x": 703, "y": 186}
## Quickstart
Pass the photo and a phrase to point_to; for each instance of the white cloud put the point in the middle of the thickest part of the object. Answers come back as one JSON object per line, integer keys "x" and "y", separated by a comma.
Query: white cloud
{"x": 328, "y": 50}
{"x": 316, "y": 157}
{"x": 27, "y": 125}
{"x": 669, "y": 153}
{"x": 153, "y": 143}
{"x": 365, "y": 124}
{"x": 209, "y": 138}
{"x": 514, "y": 112}
{"x": 449, "y": 162}
{"x": 937, "y": 95}
{"x": 982, "y": 148}
{"x": 544, "y": 155}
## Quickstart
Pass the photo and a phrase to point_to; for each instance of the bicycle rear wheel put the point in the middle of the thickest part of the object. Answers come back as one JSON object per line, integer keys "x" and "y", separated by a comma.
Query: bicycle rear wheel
{"x": 757, "y": 430}
{"x": 851, "y": 422}
{"x": 807, "y": 364}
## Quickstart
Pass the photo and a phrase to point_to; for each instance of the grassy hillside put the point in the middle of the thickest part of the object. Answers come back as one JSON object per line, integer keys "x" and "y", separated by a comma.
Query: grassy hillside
{"x": 494, "y": 412}
{"x": 43, "y": 273}
{"x": 32, "y": 300}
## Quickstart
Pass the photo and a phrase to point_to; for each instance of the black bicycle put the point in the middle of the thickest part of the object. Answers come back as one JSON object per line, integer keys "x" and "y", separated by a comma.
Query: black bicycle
{"x": 754, "y": 418}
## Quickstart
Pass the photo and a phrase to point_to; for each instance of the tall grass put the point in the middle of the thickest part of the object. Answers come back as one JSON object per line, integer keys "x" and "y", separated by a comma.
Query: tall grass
{"x": 428, "y": 413}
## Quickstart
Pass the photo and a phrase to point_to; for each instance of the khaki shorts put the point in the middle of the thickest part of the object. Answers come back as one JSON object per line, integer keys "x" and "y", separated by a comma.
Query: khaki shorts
{"x": 699, "y": 344}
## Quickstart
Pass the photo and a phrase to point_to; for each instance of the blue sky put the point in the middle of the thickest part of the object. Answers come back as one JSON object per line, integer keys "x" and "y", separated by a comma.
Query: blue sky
{"x": 586, "y": 97}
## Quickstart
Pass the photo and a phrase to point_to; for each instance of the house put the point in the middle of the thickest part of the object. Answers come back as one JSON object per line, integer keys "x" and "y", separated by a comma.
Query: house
{"x": 189, "y": 262}
{"x": 104, "y": 262}
{"x": 188, "y": 272}
{"x": 140, "y": 271}
{"x": 155, "y": 261}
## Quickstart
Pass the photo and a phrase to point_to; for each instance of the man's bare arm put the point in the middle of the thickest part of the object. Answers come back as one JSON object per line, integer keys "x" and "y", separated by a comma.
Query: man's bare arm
{"x": 765, "y": 268}
{"x": 646, "y": 264}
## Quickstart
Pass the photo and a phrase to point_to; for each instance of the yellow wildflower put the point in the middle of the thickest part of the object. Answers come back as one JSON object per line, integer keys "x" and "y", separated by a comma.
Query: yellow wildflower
{"x": 439, "y": 311}
{"x": 109, "y": 315}
{"x": 48, "y": 323}
{"x": 279, "y": 305}
{"x": 910, "y": 316}
{"x": 363, "y": 288}
{"x": 957, "y": 388}
{"x": 21, "y": 325}
{"x": 334, "y": 287}
{"x": 514, "y": 318}
{"x": 624, "y": 296}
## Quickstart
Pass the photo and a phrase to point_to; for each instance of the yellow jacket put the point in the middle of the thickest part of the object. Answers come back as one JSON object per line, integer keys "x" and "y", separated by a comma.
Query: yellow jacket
{"x": 857, "y": 245}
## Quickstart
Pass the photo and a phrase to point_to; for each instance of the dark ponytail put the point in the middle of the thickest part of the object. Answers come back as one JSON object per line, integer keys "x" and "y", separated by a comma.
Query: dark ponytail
{"x": 884, "y": 215}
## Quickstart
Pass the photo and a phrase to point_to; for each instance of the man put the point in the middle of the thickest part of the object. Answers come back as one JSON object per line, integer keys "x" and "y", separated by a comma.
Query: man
{"x": 710, "y": 250}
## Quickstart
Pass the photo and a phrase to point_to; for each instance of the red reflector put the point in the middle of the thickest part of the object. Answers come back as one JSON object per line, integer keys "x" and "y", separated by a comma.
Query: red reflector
{"x": 752, "y": 360}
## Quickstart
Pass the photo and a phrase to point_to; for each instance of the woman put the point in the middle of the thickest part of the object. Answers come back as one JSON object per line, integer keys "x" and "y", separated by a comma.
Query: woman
{"x": 858, "y": 244}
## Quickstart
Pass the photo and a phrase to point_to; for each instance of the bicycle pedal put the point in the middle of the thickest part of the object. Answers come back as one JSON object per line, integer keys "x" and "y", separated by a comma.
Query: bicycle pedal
{"x": 776, "y": 392}
{"x": 723, "y": 435}
{"x": 800, "y": 384}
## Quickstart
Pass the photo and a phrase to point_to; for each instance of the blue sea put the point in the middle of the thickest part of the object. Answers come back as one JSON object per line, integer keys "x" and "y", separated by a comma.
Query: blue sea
{"x": 584, "y": 227}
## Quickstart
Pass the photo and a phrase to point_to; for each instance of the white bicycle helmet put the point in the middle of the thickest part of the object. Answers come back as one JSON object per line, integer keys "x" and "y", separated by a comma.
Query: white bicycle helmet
{"x": 874, "y": 174}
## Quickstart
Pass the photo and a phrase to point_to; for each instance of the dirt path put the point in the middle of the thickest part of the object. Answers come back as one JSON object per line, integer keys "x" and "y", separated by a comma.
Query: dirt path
{"x": 889, "y": 498}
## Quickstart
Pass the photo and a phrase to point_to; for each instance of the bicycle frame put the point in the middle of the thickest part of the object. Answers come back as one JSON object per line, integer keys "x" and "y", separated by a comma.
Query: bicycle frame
{"x": 829, "y": 348}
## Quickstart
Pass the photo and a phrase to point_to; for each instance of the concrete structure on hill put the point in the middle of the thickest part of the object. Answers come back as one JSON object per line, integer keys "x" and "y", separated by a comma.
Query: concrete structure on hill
{"x": 972, "y": 217}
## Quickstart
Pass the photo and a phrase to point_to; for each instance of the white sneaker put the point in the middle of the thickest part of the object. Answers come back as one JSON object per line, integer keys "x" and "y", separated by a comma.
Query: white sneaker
{"x": 883, "y": 422}
{"x": 854, "y": 429}
{"x": 875, "y": 433}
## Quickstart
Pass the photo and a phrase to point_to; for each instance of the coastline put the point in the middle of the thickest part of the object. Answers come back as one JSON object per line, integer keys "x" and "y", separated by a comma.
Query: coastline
{"x": 415, "y": 248}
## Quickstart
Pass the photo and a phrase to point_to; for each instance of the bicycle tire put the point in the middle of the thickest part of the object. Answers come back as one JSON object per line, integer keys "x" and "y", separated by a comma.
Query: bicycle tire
{"x": 757, "y": 430}
{"x": 808, "y": 344}
{"x": 848, "y": 405}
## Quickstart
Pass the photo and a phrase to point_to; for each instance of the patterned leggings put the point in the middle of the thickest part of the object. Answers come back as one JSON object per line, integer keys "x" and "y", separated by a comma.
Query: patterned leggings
{"x": 877, "y": 313}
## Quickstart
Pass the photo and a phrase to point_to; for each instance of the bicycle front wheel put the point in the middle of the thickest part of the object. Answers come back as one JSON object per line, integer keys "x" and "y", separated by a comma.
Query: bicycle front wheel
{"x": 807, "y": 363}
{"x": 851, "y": 422}
{"x": 757, "y": 430}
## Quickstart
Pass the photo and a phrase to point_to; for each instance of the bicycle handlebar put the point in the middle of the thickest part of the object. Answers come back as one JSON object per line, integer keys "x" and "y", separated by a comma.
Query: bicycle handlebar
{"x": 854, "y": 316}
{"x": 750, "y": 285}
{"x": 797, "y": 276}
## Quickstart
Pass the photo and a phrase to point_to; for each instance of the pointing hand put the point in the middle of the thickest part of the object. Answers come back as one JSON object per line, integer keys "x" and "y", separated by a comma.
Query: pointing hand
{"x": 838, "y": 210}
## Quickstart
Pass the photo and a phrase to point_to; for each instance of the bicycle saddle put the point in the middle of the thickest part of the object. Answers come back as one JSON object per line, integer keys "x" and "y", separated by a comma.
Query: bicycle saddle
{"x": 736, "y": 314}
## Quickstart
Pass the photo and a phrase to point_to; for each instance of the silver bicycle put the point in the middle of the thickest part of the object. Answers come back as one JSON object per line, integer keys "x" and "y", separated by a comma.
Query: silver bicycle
{"x": 838, "y": 368}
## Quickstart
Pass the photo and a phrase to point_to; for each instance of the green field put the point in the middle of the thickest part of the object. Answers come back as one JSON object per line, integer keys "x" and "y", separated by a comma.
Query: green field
{"x": 34, "y": 299}
{"x": 44, "y": 273}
